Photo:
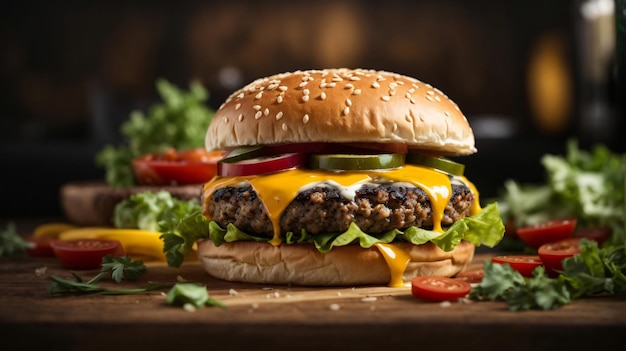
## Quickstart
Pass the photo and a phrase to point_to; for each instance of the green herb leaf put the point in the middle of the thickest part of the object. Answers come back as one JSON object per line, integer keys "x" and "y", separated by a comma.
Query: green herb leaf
{"x": 191, "y": 293}
{"x": 11, "y": 242}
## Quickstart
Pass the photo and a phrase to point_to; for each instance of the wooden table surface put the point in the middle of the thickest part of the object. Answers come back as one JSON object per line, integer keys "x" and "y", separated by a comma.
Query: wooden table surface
{"x": 261, "y": 317}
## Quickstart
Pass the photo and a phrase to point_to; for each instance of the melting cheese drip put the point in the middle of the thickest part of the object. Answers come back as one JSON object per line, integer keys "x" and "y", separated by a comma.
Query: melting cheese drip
{"x": 277, "y": 190}
{"x": 397, "y": 260}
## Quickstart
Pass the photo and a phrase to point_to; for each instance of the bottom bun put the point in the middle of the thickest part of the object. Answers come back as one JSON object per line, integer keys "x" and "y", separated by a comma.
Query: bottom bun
{"x": 263, "y": 263}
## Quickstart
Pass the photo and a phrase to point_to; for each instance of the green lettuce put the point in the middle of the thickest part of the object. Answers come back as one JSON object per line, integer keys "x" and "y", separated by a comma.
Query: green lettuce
{"x": 484, "y": 228}
{"x": 154, "y": 211}
{"x": 587, "y": 185}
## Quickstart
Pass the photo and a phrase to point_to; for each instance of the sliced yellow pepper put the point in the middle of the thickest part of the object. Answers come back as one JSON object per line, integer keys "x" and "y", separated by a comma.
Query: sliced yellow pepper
{"x": 52, "y": 230}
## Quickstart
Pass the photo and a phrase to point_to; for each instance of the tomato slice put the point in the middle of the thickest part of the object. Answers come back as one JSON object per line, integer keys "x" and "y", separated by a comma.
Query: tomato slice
{"x": 440, "y": 163}
{"x": 524, "y": 264}
{"x": 260, "y": 165}
{"x": 194, "y": 166}
{"x": 41, "y": 246}
{"x": 537, "y": 235}
{"x": 473, "y": 276}
{"x": 346, "y": 162}
{"x": 85, "y": 253}
{"x": 553, "y": 254}
{"x": 435, "y": 288}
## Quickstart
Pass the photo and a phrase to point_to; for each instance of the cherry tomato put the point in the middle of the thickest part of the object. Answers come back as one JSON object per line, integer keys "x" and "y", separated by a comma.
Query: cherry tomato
{"x": 85, "y": 253}
{"x": 524, "y": 264}
{"x": 260, "y": 165}
{"x": 553, "y": 254}
{"x": 194, "y": 166}
{"x": 472, "y": 276}
{"x": 41, "y": 246}
{"x": 597, "y": 234}
{"x": 537, "y": 235}
{"x": 435, "y": 288}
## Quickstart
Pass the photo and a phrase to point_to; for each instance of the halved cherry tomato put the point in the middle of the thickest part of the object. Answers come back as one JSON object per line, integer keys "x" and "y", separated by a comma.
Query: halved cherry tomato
{"x": 435, "y": 288}
{"x": 537, "y": 235}
{"x": 472, "y": 276}
{"x": 41, "y": 246}
{"x": 524, "y": 264}
{"x": 553, "y": 254}
{"x": 85, "y": 253}
{"x": 194, "y": 166}
{"x": 597, "y": 234}
{"x": 260, "y": 165}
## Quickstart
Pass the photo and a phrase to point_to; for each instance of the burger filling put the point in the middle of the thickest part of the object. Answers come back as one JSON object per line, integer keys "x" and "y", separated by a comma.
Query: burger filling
{"x": 322, "y": 208}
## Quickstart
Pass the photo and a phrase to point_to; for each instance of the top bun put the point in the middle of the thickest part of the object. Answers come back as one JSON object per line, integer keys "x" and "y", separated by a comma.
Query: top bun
{"x": 340, "y": 106}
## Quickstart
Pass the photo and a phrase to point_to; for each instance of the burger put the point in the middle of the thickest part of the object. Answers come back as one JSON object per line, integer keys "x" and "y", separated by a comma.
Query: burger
{"x": 338, "y": 177}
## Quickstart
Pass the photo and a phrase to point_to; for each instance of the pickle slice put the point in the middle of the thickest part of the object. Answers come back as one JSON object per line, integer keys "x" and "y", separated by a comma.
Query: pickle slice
{"x": 440, "y": 163}
{"x": 348, "y": 162}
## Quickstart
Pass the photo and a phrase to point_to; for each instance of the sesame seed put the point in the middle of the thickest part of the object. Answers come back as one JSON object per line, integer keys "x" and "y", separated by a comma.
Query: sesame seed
{"x": 385, "y": 97}
{"x": 266, "y": 112}
{"x": 256, "y": 107}
{"x": 305, "y": 98}
{"x": 415, "y": 86}
{"x": 282, "y": 88}
{"x": 346, "y": 111}
{"x": 395, "y": 127}
{"x": 355, "y": 78}
{"x": 306, "y": 92}
{"x": 437, "y": 98}
{"x": 430, "y": 92}
{"x": 411, "y": 91}
{"x": 279, "y": 115}
{"x": 412, "y": 100}
{"x": 408, "y": 119}
{"x": 375, "y": 85}
{"x": 258, "y": 115}
{"x": 323, "y": 95}
{"x": 305, "y": 119}
{"x": 356, "y": 92}
{"x": 349, "y": 86}
{"x": 336, "y": 79}
{"x": 240, "y": 96}
{"x": 225, "y": 119}
{"x": 430, "y": 98}
{"x": 279, "y": 99}
{"x": 259, "y": 95}
{"x": 407, "y": 95}
{"x": 447, "y": 114}
{"x": 392, "y": 92}
{"x": 272, "y": 86}
{"x": 348, "y": 102}
{"x": 240, "y": 118}
{"x": 303, "y": 84}
{"x": 284, "y": 127}
{"x": 331, "y": 84}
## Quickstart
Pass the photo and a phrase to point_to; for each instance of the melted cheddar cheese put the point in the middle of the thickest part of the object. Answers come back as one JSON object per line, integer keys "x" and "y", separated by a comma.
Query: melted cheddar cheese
{"x": 277, "y": 190}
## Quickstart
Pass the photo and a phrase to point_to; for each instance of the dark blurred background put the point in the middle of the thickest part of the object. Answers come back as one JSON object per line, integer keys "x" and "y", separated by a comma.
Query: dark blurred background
{"x": 528, "y": 74}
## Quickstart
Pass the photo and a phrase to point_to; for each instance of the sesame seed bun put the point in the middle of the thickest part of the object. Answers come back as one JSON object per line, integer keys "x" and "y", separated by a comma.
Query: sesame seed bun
{"x": 341, "y": 105}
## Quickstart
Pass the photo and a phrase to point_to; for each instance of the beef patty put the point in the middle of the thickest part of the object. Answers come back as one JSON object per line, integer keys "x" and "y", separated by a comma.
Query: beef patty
{"x": 376, "y": 209}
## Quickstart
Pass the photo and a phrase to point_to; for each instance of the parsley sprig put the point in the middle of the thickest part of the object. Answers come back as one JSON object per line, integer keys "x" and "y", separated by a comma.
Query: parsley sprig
{"x": 596, "y": 271}
{"x": 119, "y": 268}
{"x": 11, "y": 242}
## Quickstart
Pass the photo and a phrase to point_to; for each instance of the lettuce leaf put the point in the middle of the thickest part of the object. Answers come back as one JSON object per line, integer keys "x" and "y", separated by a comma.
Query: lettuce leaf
{"x": 484, "y": 228}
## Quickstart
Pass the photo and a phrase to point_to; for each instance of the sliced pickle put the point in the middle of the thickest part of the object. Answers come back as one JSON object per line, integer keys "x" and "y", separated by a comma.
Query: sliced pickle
{"x": 440, "y": 163}
{"x": 346, "y": 162}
